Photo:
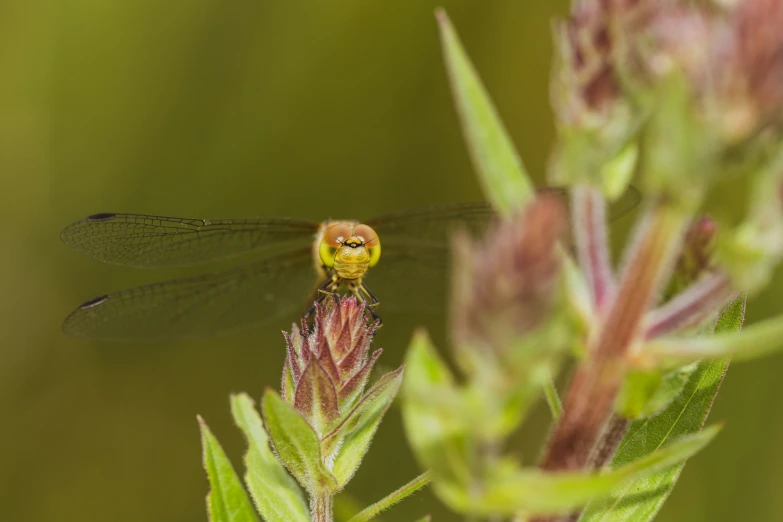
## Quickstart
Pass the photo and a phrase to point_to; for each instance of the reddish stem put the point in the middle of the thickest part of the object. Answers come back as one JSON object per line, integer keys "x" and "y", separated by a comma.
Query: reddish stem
{"x": 592, "y": 249}
{"x": 595, "y": 385}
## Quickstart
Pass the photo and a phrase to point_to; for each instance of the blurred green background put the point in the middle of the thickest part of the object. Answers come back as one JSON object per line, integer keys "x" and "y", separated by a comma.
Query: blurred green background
{"x": 253, "y": 107}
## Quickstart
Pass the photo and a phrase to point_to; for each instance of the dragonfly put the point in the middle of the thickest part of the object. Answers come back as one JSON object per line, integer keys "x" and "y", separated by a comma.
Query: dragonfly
{"x": 294, "y": 263}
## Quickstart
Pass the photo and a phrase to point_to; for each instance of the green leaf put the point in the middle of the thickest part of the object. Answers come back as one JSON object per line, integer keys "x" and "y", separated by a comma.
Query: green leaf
{"x": 671, "y": 386}
{"x": 755, "y": 341}
{"x": 536, "y": 492}
{"x": 385, "y": 503}
{"x": 637, "y": 391}
{"x": 430, "y": 412}
{"x": 686, "y": 414}
{"x": 227, "y": 501}
{"x": 647, "y": 392}
{"x": 297, "y": 445}
{"x": 276, "y": 494}
{"x": 360, "y": 425}
{"x": 500, "y": 171}
{"x": 616, "y": 174}
{"x": 378, "y": 397}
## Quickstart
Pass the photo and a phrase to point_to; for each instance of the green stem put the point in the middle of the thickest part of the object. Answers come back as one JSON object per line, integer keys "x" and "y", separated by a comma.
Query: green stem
{"x": 321, "y": 508}
{"x": 552, "y": 398}
{"x": 389, "y": 500}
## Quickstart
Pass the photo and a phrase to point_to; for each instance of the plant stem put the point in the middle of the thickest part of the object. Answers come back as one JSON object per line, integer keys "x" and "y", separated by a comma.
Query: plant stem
{"x": 613, "y": 433}
{"x": 592, "y": 246}
{"x": 408, "y": 489}
{"x": 595, "y": 385}
{"x": 321, "y": 508}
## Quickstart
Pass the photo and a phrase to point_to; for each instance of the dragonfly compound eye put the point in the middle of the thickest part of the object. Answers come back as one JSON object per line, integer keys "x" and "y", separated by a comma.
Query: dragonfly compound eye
{"x": 371, "y": 242}
{"x": 333, "y": 239}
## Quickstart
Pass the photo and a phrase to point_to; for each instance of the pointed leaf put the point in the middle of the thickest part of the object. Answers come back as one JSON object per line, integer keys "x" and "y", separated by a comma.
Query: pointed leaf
{"x": 755, "y": 341}
{"x": 355, "y": 385}
{"x": 358, "y": 430}
{"x": 276, "y": 494}
{"x": 389, "y": 500}
{"x": 288, "y": 384}
{"x": 537, "y": 492}
{"x": 227, "y": 501}
{"x": 296, "y": 444}
{"x": 430, "y": 406}
{"x": 316, "y": 397}
{"x": 671, "y": 387}
{"x": 382, "y": 393}
{"x": 686, "y": 414}
{"x": 500, "y": 171}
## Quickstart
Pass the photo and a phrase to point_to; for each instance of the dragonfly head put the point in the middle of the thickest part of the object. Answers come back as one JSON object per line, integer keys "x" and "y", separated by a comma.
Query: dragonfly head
{"x": 349, "y": 248}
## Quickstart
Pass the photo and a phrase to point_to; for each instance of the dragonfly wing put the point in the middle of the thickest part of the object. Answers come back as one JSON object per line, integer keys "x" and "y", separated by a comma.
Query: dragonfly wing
{"x": 434, "y": 224}
{"x": 201, "y": 305}
{"x": 414, "y": 271}
{"x": 411, "y": 278}
{"x": 158, "y": 241}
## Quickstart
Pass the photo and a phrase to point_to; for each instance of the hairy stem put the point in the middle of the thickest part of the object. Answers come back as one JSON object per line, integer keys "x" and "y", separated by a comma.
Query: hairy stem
{"x": 607, "y": 444}
{"x": 321, "y": 508}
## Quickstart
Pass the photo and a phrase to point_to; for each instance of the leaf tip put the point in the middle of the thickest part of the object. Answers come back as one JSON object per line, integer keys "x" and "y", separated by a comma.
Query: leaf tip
{"x": 441, "y": 17}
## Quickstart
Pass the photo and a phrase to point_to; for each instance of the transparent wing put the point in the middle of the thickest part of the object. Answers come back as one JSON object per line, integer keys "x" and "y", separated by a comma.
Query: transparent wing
{"x": 414, "y": 271}
{"x": 434, "y": 224}
{"x": 201, "y": 305}
{"x": 412, "y": 279}
{"x": 157, "y": 241}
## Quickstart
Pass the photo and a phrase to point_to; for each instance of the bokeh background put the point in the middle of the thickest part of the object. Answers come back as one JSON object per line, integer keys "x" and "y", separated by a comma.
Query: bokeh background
{"x": 254, "y": 107}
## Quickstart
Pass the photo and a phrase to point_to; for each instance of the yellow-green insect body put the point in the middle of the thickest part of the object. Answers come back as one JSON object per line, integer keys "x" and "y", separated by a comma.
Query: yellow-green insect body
{"x": 343, "y": 252}
{"x": 347, "y": 248}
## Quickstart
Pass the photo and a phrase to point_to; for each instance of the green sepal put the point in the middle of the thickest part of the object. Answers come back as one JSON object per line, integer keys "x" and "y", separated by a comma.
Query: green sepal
{"x": 361, "y": 424}
{"x": 275, "y": 493}
{"x": 296, "y": 445}
{"x": 226, "y": 501}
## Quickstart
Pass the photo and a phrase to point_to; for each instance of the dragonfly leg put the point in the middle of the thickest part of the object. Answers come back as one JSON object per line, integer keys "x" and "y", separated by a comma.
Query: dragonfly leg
{"x": 322, "y": 292}
{"x": 372, "y": 303}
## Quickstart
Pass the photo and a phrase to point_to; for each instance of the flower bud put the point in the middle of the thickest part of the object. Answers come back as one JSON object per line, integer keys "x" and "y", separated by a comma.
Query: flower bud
{"x": 327, "y": 366}
{"x": 507, "y": 285}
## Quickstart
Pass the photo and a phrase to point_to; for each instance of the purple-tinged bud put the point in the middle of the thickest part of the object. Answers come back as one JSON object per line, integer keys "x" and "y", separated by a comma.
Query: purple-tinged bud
{"x": 507, "y": 285}
{"x": 327, "y": 366}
